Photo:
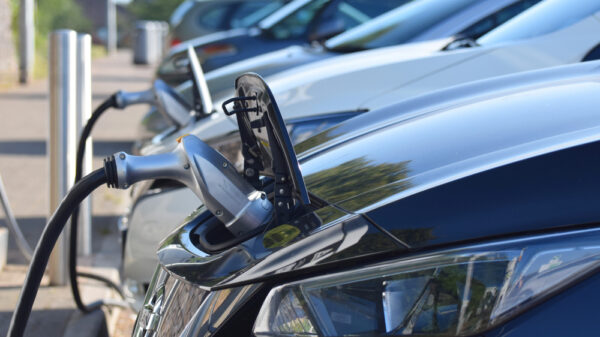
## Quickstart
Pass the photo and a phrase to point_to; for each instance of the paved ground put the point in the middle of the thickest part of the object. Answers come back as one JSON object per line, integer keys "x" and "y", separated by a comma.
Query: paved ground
{"x": 24, "y": 170}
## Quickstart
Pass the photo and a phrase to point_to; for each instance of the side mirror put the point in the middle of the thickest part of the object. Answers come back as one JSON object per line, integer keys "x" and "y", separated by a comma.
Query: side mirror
{"x": 171, "y": 105}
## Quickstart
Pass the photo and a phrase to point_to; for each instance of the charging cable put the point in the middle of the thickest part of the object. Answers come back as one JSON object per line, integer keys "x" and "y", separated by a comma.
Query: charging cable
{"x": 111, "y": 102}
{"x": 226, "y": 194}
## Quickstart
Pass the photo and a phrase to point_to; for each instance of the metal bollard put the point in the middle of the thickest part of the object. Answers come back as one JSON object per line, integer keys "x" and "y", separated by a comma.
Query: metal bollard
{"x": 111, "y": 26}
{"x": 62, "y": 142}
{"x": 84, "y": 112}
{"x": 26, "y": 40}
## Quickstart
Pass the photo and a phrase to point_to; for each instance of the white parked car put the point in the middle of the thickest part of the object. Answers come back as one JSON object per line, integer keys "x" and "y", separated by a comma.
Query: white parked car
{"x": 553, "y": 32}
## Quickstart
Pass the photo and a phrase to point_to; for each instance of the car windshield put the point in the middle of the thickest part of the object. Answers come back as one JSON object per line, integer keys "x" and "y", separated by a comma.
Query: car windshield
{"x": 397, "y": 26}
{"x": 250, "y": 13}
{"x": 327, "y": 17}
{"x": 544, "y": 18}
{"x": 296, "y": 24}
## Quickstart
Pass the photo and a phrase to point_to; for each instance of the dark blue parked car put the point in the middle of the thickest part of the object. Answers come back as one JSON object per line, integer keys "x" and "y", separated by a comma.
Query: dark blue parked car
{"x": 471, "y": 211}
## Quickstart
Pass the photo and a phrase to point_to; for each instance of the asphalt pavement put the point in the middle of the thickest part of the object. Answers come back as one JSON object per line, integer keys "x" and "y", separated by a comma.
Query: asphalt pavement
{"x": 24, "y": 128}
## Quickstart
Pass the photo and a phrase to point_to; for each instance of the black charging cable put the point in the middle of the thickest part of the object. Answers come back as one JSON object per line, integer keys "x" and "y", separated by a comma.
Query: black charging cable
{"x": 42, "y": 251}
{"x": 111, "y": 102}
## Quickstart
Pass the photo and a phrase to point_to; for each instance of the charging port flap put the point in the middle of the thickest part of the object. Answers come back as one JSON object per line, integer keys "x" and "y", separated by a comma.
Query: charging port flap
{"x": 266, "y": 145}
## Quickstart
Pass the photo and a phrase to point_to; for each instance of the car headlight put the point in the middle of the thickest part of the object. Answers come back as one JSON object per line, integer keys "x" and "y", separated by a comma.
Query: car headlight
{"x": 450, "y": 293}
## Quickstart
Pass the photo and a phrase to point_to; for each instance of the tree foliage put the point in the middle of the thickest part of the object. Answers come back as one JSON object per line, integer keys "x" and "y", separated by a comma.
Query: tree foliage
{"x": 154, "y": 9}
{"x": 60, "y": 14}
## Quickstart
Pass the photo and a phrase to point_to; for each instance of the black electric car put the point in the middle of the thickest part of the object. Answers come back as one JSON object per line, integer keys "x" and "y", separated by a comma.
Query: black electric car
{"x": 471, "y": 211}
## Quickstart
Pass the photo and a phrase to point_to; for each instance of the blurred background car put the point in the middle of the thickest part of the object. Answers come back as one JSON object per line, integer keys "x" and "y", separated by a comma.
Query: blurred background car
{"x": 299, "y": 22}
{"x": 195, "y": 18}
{"x": 418, "y": 20}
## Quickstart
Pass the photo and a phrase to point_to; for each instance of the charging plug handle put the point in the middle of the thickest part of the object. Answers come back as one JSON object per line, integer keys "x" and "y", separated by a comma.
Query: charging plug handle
{"x": 205, "y": 171}
{"x": 124, "y": 99}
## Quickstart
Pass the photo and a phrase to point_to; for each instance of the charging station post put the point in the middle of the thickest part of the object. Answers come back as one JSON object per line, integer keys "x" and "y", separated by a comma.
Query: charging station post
{"x": 84, "y": 112}
{"x": 62, "y": 142}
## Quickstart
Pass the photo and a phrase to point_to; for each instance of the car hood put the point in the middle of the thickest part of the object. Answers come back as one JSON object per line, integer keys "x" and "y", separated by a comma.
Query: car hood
{"x": 386, "y": 159}
{"x": 498, "y": 108}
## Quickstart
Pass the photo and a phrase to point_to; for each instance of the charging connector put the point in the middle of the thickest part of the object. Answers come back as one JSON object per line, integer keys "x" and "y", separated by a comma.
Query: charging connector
{"x": 207, "y": 173}
{"x": 227, "y": 195}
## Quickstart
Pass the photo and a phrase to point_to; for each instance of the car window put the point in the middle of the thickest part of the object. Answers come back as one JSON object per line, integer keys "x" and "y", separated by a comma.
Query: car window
{"x": 347, "y": 14}
{"x": 212, "y": 18}
{"x": 544, "y": 18}
{"x": 331, "y": 16}
{"x": 296, "y": 24}
{"x": 251, "y": 12}
{"x": 397, "y": 26}
{"x": 496, "y": 19}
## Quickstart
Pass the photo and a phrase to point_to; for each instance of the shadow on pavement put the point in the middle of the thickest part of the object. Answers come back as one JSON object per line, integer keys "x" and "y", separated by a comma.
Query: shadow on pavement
{"x": 117, "y": 79}
{"x": 102, "y": 148}
{"x": 32, "y": 228}
{"x": 47, "y": 323}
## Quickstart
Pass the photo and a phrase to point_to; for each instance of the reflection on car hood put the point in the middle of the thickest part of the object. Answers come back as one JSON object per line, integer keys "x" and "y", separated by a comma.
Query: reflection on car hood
{"x": 409, "y": 147}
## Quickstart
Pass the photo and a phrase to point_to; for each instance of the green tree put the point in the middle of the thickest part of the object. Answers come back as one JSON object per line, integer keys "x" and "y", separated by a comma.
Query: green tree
{"x": 154, "y": 9}
{"x": 60, "y": 14}
{"x": 50, "y": 15}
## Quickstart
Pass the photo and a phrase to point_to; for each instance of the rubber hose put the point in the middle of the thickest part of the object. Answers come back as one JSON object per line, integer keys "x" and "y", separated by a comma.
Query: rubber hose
{"x": 73, "y": 274}
{"x": 45, "y": 245}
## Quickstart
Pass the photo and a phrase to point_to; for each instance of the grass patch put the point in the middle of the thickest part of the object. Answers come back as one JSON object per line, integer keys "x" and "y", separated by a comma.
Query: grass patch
{"x": 98, "y": 51}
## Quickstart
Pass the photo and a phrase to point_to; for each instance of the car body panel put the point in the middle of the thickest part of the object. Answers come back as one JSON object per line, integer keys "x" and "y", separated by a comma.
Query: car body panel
{"x": 334, "y": 237}
{"x": 359, "y": 176}
{"x": 138, "y": 254}
{"x": 514, "y": 158}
